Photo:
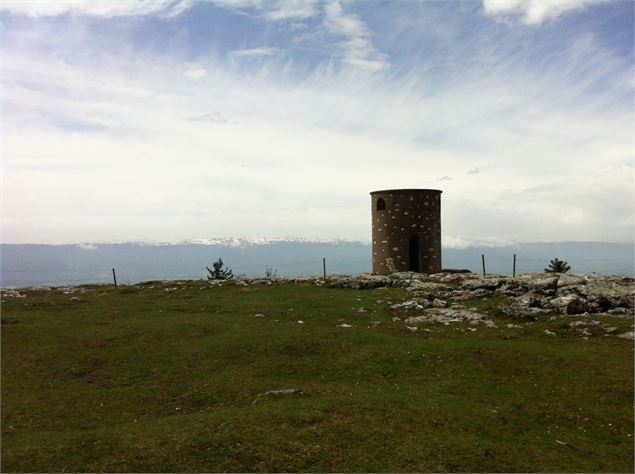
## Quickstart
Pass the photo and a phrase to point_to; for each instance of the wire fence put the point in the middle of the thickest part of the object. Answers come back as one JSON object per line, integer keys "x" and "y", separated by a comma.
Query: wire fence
{"x": 136, "y": 273}
{"x": 130, "y": 273}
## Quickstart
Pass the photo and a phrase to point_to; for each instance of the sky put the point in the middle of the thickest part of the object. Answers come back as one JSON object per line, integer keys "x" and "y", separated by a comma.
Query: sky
{"x": 163, "y": 120}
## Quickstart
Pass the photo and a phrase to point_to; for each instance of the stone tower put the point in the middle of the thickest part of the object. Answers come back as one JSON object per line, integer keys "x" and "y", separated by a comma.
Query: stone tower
{"x": 406, "y": 230}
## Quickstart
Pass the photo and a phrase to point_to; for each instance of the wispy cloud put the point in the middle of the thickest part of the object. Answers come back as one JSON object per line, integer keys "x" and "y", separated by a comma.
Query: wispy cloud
{"x": 271, "y": 10}
{"x": 286, "y": 149}
{"x": 254, "y": 52}
{"x": 357, "y": 47}
{"x": 194, "y": 72}
{"x": 211, "y": 118}
{"x": 100, "y": 8}
{"x": 478, "y": 170}
{"x": 291, "y": 10}
{"x": 531, "y": 12}
{"x": 535, "y": 12}
{"x": 554, "y": 116}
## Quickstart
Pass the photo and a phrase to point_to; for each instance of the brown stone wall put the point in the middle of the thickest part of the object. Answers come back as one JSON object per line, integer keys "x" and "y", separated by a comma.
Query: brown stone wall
{"x": 408, "y": 214}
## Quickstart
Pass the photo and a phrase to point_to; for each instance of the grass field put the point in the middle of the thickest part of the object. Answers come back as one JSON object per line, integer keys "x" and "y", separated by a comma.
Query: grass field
{"x": 144, "y": 379}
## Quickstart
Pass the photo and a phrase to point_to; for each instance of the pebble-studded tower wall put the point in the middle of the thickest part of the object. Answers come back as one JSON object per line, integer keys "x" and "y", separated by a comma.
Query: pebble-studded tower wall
{"x": 406, "y": 230}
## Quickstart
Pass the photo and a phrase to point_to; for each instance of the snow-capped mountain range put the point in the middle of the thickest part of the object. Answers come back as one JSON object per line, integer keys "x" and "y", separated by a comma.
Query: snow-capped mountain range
{"x": 245, "y": 242}
{"x": 252, "y": 241}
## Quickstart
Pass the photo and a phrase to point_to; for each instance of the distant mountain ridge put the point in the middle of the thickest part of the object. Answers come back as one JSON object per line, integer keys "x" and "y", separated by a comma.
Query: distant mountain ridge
{"x": 248, "y": 241}
{"x": 239, "y": 242}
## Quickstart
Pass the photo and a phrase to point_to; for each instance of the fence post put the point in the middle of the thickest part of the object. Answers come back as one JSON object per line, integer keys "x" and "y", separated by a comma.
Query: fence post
{"x": 114, "y": 277}
{"x": 324, "y": 266}
{"x": 483, "y": 259}
{"x": 514, "y": 268}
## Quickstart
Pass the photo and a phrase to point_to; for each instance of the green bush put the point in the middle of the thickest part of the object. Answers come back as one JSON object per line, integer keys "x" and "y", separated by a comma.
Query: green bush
{"x": 219, "y": 271}
{"x": 557, "y": 266}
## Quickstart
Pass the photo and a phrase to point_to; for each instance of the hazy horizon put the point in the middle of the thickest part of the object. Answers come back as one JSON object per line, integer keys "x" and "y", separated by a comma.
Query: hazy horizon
{"x": 452, "y": 243}
{"x": 33, "y": 265}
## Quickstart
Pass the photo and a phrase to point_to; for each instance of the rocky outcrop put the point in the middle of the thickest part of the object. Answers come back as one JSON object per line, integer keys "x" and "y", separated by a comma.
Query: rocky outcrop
{"x": 569, "y": 304}
{"x": 533, "y": 294}
{"x": 526, "y": 296}
{"x": 437, "y": 300}
{"x": 450, "y": 315}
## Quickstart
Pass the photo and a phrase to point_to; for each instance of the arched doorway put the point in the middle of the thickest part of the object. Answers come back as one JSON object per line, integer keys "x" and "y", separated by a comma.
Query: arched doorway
{"x": 413, "y": 252}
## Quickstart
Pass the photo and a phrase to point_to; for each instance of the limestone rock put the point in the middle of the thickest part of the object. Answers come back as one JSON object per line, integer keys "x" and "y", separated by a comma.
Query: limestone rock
{"x": 569, "y": 304}
{"x": 523, "y": 312}
{"x": 447, "y": 316}
{"x": 427, "y": 286}
{"x": 565, "y": 280}
{"x": 438, "y": 303}
{"x": 543, "y": 284}
{"x": 481, "y": 283}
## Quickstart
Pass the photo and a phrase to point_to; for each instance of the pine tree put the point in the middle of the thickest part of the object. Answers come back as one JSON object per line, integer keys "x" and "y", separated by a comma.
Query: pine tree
{"x": 557, "y": 266}
{"x": 218, "y": 272}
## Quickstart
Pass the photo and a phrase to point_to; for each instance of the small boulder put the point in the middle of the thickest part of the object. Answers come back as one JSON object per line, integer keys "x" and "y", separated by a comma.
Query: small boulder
{"x": 439, "y": 303}
{"x": 522, "y": 312}
{"x": 569, "y": 304}
{"x": 480, "y": 293}
{"x": 543, "y": 284}
{"x": 571, "y": 280}
{"x": 481, "y": 283}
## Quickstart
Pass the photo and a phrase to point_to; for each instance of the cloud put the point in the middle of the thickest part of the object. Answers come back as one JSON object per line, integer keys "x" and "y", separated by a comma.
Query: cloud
{"x": 254, "y": 52}
{"x": 211, "y": 118}
{"x": 312, "y": 139}
{"x": 195, "y": 73}
{"x": 478, "y": 170}
{"x": 357, "y": 47}
{"x": 291, "y": 10}
{"x": 589, "y": 204}
{"x": 271, "y": 10}
{"x": 445, "y": 178}
{"x": 535, "y": 12}
{"x": 530, "y": 12}
{"x": 101, "y": 8}
{"x": 452, "y": 242}
{"x": 289, "y": 148}
{"x": 280, "y": 10}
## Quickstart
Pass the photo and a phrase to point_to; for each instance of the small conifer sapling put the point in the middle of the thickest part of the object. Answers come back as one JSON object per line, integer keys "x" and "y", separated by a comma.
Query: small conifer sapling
{"x": 219, "y": 271}
{"x": 557, "y": 266}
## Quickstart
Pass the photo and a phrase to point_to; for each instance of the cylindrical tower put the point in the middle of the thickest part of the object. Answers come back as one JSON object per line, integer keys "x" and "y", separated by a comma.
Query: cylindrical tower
{"x": 406, "y": 230}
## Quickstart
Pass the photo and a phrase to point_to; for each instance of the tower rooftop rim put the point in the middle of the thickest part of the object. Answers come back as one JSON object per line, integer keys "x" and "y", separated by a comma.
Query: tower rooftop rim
{"x": 405, "y": 190}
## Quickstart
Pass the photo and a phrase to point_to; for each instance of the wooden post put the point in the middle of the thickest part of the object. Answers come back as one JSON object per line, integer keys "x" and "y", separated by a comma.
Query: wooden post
{"x": 114, "y": 277}
{"x": 514, "y": 268}
{"x": 324, "y": 266}
{"x": 483, "y": 259}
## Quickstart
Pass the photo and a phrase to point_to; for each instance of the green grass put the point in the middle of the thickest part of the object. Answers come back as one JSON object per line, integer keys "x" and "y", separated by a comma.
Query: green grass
{"x": 143, "y": 379}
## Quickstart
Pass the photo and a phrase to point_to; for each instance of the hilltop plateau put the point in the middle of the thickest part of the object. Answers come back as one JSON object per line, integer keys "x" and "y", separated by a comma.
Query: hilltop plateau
{"x": 408, "y": 372}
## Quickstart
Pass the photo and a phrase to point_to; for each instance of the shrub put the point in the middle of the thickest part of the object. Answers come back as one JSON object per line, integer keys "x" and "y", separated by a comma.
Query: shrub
{"x": 557, "y": 266}
{"x": 219, "y": 271}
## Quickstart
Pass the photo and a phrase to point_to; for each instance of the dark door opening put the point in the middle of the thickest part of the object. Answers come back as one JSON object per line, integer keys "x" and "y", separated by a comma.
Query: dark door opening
{"x": 414, "y": 254}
